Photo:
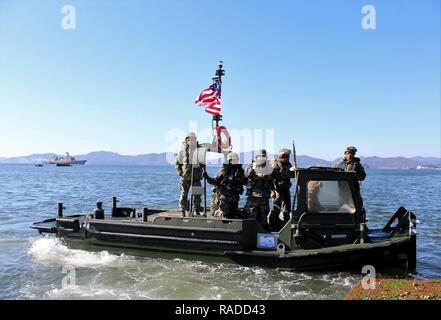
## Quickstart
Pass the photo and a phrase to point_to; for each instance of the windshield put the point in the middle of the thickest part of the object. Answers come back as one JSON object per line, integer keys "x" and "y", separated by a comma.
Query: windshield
{"x": 330, "y": 196}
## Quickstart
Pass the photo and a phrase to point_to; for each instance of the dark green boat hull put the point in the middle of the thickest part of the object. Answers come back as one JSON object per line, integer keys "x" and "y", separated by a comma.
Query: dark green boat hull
{"x": 231, "y": 240}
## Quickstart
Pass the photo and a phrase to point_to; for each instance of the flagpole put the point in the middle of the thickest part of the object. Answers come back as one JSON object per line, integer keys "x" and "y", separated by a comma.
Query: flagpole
{"x": 216, "y": 118}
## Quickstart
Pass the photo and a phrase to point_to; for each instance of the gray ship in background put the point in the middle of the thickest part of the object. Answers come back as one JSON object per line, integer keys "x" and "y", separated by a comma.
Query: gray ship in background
{"x": 65, "y": 160}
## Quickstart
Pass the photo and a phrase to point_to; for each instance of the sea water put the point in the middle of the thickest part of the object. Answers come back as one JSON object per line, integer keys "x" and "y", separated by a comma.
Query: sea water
{"x": 36, "y": 267}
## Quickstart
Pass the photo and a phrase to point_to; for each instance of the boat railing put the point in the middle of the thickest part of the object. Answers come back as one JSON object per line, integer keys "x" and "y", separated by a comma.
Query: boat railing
{"x": 198, "y": 221}
{"x": 403, "y": 219}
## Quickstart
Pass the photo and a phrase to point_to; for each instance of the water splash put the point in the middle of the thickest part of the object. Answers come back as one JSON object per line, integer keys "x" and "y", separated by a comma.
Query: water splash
{"x": 52, "y": 250}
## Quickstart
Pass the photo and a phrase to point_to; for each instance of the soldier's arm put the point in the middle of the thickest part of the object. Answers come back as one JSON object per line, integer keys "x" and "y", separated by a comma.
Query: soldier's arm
{"x": 249, "y": 171}
{"x": 361, "y": 174}
{"x": 276, "y": 174}
{"x": 217, "y": 180}
{"x": 286, "y": 173}
{"x": 211, "y": 180}
{"x": 219, "y": 174}
{"x": 178, "y": 167}
{"x": 179, "y": 161}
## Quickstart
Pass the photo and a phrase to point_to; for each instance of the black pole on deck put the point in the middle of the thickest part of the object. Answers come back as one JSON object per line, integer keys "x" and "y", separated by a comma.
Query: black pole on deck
{"x": 60, "y": 209}
{"x": 114, "y": 205}
{"x": 215, "y": 123}
{"x": 205, "y": 192}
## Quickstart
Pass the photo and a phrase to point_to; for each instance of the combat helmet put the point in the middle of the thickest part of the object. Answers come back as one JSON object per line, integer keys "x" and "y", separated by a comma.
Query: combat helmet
{"x": 284, "y": 152}
{"x": 351, "y": 149}
{"x": 261, "y": 156}
{"x": 233, "y": 157}
{"x": 190, "y": 134}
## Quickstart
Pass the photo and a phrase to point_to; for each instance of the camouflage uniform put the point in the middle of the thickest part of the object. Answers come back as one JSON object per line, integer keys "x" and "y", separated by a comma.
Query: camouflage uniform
{"x": 281, "y": 195}
{"x": 259, "y": 185}
{"x": 229, "y": 181}
{"x": 184, "y": 168}
{"x": 353, "y": 165}
{"x": 214, "y": 204}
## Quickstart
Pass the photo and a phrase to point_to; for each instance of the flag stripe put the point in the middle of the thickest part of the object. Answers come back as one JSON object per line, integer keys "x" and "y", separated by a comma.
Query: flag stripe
{"x": 213, "y": 112}
{"x": 203, "y": 97}
{"x": 213, "y": 108}
{"x": 210, "y": 98}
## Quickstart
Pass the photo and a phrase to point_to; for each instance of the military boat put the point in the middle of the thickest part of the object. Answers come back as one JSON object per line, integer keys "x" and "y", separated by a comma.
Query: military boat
{"x": 65, "y": 161}
{"x": 327, "y": 230}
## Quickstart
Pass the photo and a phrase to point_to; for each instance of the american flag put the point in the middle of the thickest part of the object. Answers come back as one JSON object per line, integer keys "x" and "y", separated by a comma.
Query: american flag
{"x": 210, "y": 98}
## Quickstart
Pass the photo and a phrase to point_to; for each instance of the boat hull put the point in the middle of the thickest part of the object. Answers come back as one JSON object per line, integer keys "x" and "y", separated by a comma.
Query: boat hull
{"x": 232, "y": 240}
{"x": 66, "y": 162}
{"x": 394, "y": 253}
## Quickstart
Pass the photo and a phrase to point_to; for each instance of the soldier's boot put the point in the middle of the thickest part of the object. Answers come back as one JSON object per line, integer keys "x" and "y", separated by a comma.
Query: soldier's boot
{"x": 199, "y": 212}
{"x": 219, "y": 214}
{"x": 197, "y": 205}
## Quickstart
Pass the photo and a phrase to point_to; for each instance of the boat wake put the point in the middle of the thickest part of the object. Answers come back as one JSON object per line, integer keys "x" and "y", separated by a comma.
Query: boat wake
{"x": 52, "y": 250}
{"x": 103, "y": 275}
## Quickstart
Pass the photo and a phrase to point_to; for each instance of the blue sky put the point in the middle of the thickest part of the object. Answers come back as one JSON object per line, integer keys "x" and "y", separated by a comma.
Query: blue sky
{"x": 129, "y": 73}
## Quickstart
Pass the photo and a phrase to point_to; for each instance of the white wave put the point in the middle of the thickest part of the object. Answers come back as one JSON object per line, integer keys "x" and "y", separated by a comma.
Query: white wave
{"x": 52, "y": 250}
{"x": 82, "y": 292}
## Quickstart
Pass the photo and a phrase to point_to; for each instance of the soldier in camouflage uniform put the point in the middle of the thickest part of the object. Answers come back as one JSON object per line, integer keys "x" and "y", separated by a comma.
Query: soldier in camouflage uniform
{"x": 259, "y": 185}
{"x": 184, "y": 168}
{"x": 214, "y": 204}
{"x": 280, "y": 194}
{"x": 352, "y": 163}
{"x": 229, "y": 181}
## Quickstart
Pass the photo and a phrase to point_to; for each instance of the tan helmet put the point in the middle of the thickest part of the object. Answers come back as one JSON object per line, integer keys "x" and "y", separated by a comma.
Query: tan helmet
{"x": 284, "y": 152}
{"x": 351, "y": 149}
{"x": 190, "y": 135}
{"x": 261, "y": 156}
{"x": 261, "y": 153}
{"x": 233, "y": 157}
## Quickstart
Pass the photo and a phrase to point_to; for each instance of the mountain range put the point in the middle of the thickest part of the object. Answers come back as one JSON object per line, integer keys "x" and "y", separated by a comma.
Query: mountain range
{"x": 112, "y": 158}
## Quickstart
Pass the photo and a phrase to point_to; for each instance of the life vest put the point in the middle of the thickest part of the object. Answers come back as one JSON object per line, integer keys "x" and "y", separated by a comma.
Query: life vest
{"x": 221, "y": 138}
